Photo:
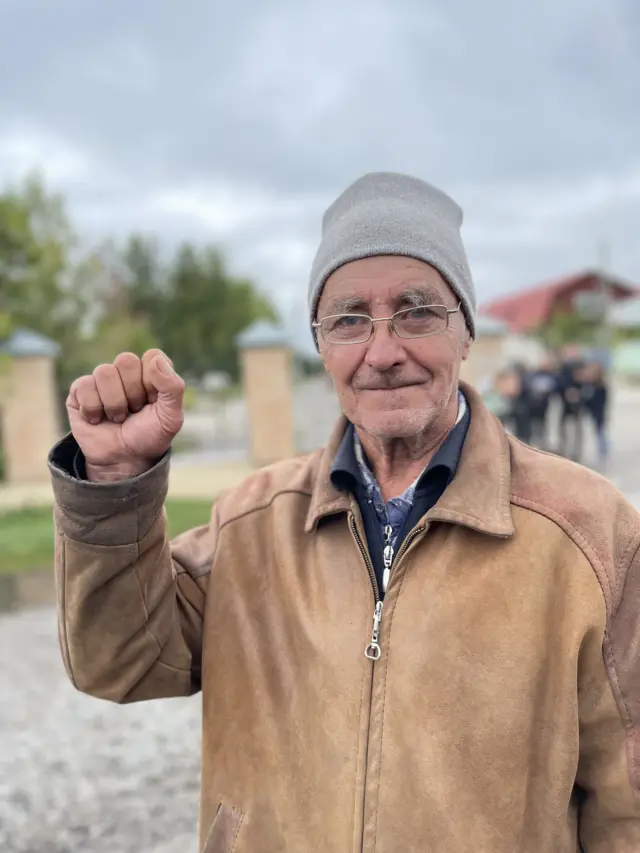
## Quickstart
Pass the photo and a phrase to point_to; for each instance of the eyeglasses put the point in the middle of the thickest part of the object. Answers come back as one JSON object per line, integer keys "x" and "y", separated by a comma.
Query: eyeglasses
{"x": 418, "y": 322}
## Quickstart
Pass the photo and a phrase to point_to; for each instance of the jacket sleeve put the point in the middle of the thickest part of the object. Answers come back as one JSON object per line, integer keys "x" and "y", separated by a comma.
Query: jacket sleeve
{"x": 130, "y": 603}
{"x": 609, "y": 708}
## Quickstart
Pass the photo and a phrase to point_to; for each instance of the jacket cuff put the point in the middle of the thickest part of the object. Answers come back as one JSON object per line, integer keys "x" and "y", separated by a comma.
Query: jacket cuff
{"x": 118, "y": 513}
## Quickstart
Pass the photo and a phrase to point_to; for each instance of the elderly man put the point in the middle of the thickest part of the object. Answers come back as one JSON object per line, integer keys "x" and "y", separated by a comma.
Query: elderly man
{"x": 424, "y": 637}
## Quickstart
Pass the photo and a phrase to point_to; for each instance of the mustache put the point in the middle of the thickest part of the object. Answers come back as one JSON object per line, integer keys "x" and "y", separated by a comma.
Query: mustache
{"x": 387, "y": 381}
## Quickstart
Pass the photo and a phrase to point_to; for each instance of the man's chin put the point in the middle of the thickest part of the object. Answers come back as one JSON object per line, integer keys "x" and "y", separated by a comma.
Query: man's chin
{"x": 394, "y": 424}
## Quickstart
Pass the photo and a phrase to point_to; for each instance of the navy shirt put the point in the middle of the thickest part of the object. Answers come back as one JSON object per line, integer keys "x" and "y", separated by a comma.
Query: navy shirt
{"x": 346, "y": 475}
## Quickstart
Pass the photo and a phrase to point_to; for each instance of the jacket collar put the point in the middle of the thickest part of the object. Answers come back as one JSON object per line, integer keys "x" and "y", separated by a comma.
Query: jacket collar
{"x": 478, "y": 495}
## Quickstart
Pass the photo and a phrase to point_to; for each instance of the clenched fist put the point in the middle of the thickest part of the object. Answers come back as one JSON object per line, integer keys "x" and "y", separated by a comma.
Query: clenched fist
{"x": 125, "y": 415}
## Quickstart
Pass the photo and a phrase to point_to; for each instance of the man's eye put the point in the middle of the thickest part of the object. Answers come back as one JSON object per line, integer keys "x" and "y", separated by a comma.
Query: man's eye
{"x": 421, "y": 313}
{"x": 349, "y": 321}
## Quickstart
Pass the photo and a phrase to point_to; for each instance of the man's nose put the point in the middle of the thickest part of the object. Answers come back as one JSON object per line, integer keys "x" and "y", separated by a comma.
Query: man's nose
{"x": 384, "y": 349}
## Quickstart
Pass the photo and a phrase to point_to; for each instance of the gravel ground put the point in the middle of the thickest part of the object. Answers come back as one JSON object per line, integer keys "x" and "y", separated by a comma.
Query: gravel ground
{"x": 78, "y": 774}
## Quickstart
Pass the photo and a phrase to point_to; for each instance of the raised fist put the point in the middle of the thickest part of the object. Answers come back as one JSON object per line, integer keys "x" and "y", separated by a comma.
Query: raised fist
{"x": 125, "y": 415}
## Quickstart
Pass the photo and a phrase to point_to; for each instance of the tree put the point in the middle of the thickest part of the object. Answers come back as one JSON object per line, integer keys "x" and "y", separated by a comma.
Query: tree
{"x": 49, "y": 286}
{"x": 195, "y": 308}
{"x": 568, "y": 327}
{"x": 110, "y": 299}
{"x": 37, "y": 287}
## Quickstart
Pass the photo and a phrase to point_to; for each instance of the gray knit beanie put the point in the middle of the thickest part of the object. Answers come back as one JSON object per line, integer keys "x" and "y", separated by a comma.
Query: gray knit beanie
{"x": 385, "y": 213}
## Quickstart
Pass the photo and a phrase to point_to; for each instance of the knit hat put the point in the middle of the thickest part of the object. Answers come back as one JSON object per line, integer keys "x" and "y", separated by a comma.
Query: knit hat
{"x": 385, "y": 213}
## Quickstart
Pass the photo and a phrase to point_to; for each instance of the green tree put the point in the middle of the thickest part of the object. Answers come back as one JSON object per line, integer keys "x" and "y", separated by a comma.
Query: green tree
{"x": 37, "y": 287}
{"x": 146, "y": 279}
{"x": 113, "y": 321}
{"x": 195, "y": 307}
{"x": 568, "y": 327}
{"x": 49, "y": 286}
{"x": 97, "y": 304}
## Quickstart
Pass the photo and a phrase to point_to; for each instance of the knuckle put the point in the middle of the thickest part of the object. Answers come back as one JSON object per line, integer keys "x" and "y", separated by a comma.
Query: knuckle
{"x": 84, "y": 388}
{"x": 150, "y": 354}
{"x": 103, "y": 371}
{"x": 126, "y": 360}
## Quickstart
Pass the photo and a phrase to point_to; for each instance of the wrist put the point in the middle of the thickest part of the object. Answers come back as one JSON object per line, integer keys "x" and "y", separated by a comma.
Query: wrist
{"x": 117, "y": 473}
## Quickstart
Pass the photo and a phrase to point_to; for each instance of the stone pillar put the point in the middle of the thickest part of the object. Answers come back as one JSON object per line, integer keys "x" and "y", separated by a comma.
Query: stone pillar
{"x": 268, "y": 388}
{"x": 30, "y": 423}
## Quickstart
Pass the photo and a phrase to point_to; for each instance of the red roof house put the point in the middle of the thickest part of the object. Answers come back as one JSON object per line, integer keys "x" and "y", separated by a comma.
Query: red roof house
{"x": 529, "y": 309}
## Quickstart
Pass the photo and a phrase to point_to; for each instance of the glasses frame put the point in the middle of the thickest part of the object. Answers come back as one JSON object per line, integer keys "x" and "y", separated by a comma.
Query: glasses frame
{"x": 390, "y": 320}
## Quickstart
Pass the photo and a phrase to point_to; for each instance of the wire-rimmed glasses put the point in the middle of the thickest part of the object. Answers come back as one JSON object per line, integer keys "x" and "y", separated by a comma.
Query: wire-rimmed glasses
{"x": 417, "y": 322}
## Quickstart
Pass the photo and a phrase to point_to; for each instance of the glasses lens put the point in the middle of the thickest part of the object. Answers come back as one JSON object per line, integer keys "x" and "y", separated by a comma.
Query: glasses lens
{"x": 422, "y": 321}
{"x": 346, "y": 328}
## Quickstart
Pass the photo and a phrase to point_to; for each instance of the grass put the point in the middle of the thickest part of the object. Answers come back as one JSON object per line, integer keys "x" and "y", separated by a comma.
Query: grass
{"x": 26, "y": 535}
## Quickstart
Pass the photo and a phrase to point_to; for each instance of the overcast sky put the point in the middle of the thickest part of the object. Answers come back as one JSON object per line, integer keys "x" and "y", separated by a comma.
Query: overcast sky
{"x": 239, "y": 122}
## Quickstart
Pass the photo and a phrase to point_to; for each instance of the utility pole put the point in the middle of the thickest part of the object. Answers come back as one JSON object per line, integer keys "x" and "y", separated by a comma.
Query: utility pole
{"x": 604, "y": 265}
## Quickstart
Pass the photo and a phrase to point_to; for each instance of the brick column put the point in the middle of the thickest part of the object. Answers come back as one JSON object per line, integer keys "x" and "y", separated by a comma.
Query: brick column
{"x": 30, "y": 423}
{"x": 268, "y": 387}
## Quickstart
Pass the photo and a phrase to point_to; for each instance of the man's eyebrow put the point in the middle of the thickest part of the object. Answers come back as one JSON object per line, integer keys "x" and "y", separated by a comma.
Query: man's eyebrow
{"x": 419, "y": 296}
{"x": 416, "y": 295}
{"x": 345, "y": 305}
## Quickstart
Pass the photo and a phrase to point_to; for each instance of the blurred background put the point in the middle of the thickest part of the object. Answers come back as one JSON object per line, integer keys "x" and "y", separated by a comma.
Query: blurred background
{"x": 163, "y": 172}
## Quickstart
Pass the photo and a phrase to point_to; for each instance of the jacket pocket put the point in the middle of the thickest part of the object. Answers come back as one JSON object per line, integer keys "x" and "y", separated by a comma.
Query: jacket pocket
{"x": 224, "y": 830}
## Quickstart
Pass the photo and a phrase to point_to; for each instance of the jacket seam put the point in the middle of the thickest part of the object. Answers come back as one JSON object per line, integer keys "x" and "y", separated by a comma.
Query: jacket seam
{"x": 631, "y": 723}
{"x": 629, "y": 555}
{"x": 174, "y": 668}
{"x": 265, "y": 505}
{"x": 144, "y": 603}
{"x": 574, "y": 534}
{"x": 147, "y": 626}
{"x": 63, "y": 596}
{"x": 607, "y": 652}
{"x": 235, "y": 837}
{"x": 355, "y": 785}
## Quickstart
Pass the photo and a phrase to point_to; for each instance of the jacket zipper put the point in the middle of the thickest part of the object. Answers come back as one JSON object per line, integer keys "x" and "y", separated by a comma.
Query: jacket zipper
{"x": 372, "y": 650}
{"x": 387, "y": 556}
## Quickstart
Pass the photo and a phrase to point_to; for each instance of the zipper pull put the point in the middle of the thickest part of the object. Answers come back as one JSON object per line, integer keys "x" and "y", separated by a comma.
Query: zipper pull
{"x": 373, "y": 651}
{"x": 387, "y": 556}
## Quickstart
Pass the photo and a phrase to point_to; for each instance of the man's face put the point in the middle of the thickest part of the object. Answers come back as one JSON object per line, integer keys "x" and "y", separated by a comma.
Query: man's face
{"x": 393, "y": 387}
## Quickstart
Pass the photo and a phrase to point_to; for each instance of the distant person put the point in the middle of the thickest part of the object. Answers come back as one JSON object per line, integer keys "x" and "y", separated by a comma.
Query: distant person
{"x": 500, "y": 397}
{"x": 543, "y": 384}
{"x": 569, "y": 390}
{"x": 523, "y": 425}
{"x": 595, "y": 397}
{"x": 423, "y": 637}
{"x": 493, "y": 399}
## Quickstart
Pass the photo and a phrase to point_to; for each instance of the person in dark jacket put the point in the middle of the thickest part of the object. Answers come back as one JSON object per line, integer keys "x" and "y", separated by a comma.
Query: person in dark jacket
{"x": 522, "y": 405}
{"x": 595, "y": 399}
{"x": 572, "y": 407}
{"x": 543, "y": 384}
{"x": 512, "y": 385}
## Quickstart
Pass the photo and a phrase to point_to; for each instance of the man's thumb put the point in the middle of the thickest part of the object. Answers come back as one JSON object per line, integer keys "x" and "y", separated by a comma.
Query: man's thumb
{"x": 168, "y": 383}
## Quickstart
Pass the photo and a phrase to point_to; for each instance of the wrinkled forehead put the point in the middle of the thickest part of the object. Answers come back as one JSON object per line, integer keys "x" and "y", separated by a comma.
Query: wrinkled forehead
{"x": 385, "y": 283}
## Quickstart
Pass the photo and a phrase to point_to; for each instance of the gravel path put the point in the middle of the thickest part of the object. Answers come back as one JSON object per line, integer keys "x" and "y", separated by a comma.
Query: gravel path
{"x": 81, "y": 775}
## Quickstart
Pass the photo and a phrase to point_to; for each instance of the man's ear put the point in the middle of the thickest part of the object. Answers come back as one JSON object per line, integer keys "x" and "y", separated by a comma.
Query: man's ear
{"x": 466, "y": 343}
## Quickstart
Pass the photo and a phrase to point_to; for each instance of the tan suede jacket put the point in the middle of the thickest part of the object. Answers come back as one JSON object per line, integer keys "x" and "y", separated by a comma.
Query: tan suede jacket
{"x": 502, "y": 716}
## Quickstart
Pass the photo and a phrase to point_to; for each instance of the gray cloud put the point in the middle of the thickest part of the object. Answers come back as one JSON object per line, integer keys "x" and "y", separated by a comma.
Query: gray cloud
{"x": 239, "y": 124}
